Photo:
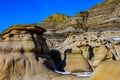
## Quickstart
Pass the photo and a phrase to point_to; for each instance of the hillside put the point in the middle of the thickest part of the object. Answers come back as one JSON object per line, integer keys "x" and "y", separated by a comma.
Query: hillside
{"x": 101, "y": 17}
{"x": 52, "y": 21}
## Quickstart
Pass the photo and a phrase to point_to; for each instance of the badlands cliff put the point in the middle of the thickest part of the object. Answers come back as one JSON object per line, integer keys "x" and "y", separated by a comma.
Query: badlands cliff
{"x": 104, "y": 16}
{"x": 93, "y": 36}
{"x": 97, "y": 28}
{"x": 24, "y": 54}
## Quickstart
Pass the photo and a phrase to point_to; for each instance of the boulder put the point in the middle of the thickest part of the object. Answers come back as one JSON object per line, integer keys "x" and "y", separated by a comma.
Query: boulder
{"x": 109, "y": 70}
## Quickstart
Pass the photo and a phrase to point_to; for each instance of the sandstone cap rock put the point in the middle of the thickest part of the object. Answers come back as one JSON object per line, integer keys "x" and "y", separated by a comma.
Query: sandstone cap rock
{"x": 29, "y": 27}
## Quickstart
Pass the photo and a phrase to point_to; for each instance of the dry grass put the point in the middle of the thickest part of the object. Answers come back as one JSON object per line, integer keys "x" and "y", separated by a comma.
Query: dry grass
{"x": 59, "y": 18}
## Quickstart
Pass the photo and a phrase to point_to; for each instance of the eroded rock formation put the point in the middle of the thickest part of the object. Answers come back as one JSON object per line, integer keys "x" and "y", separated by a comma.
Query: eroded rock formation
{"x": 95, "y": 47}
{"x": 23, "y": 53}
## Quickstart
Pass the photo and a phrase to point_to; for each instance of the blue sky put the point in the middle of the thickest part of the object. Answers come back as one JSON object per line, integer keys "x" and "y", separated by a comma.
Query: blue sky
{"x": 34, "y": 11}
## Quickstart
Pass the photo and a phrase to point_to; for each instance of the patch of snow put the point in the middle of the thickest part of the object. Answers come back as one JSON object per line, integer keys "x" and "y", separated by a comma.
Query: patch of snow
{"x": 116, "y": 39}
{"x": 62, "y": 72}
{"x": 83, "y": 74}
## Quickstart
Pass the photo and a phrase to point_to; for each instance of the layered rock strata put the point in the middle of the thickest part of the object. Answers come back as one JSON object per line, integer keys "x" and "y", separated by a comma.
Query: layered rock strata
{"x": 104, "y": 16}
